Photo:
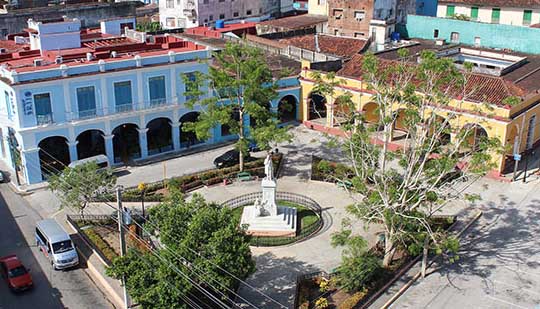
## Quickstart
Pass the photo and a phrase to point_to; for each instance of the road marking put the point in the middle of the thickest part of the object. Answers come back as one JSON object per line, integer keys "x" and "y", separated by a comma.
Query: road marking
{"x": 517, "y": 287}
{"x": 505, "y": 302}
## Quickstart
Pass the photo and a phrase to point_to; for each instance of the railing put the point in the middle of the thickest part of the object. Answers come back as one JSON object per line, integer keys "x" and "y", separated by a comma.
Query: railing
{"x": 89, "y": 113}
{"x": 124, "y": 108}
{"x": 44, "y": 119}
{"x": 268, "y": 241}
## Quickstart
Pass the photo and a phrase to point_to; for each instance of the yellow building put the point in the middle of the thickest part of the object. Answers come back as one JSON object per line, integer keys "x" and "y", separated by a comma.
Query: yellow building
{"x": 318, "y": 7}
{"x": 495, "y": 77}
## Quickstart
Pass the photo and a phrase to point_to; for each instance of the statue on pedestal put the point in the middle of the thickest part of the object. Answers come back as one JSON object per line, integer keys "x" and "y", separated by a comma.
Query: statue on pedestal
{"x": 269, "y": 167}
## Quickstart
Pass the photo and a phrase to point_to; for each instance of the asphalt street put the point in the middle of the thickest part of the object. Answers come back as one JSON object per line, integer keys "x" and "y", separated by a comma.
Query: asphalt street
{"x": 500, "y": 256}
{"x": 52, "y": 289}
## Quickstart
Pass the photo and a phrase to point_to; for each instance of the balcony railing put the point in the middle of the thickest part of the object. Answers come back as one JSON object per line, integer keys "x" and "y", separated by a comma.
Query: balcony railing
{"x": 44, "y": 119}
{"x": 89, "y": 113}
{"x": 124, "y": 108}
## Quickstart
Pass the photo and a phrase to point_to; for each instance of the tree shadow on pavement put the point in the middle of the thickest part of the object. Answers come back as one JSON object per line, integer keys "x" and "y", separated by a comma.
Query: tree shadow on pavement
{"x": 505, "y": 235}
{"x": 275, "y": 277}
{"x": 12, "y": 241}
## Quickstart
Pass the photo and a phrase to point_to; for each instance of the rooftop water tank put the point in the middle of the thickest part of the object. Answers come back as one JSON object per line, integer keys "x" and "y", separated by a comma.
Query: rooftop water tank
{"x": 220, "y": 24}
{"x": 395, "y": 36}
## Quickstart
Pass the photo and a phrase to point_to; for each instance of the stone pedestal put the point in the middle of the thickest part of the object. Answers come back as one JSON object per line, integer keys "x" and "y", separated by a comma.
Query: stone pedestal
{"x": 269, "y": 197}
{"x": 282, "y": 224}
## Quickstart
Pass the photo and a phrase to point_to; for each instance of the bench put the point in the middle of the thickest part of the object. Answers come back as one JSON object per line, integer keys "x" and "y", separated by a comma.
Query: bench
{"x": 344, "y": 184}
{"x": 244, "y": 176}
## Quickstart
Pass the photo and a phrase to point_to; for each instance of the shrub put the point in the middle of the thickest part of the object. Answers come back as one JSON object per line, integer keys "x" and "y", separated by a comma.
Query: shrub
{"x": 357, "y": 271}
{"x": 352, "y": 301}
{"x": 100, "y": 244}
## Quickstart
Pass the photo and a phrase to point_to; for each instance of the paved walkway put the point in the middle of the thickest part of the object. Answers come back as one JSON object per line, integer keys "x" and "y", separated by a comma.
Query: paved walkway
{"x": 277, "y": 267}
{"x": 499, "y": 265}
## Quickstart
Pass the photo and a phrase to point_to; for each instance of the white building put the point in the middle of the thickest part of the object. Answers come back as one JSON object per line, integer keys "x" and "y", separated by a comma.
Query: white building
{"x": 509, "y": 12}
{"x": 194, "y": 13}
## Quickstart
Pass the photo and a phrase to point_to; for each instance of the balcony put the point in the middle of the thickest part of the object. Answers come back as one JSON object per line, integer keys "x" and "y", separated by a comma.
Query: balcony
{"x": 122, "y": 109}
{"x": 89, "y": 113}
{"x": 44, "y": 119}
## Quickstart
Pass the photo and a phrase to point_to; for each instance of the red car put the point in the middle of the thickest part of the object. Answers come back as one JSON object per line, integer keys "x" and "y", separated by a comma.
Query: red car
{"x": 16, "y": 275}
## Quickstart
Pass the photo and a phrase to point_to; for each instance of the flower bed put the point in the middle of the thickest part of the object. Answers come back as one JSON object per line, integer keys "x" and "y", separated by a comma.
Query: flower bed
{"x": 155, "y": 192}
{"x": 328, "y": 171}
{"x": 325, "y": 289}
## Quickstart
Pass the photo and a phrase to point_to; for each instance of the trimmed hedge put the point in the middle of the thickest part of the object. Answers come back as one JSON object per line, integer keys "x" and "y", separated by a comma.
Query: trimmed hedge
{"x": 192, "y": 182}
{"x": 100, "y": 244}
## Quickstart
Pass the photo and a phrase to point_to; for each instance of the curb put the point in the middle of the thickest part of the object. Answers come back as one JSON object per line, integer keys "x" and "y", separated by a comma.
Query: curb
{"x": 96, "y": 275}
{"x": 415, "y": 278}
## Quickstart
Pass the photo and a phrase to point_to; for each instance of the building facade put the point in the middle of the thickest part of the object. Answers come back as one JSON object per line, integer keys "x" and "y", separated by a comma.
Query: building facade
{"x": 121, "y": 96}
{"x": 514, "y": 12}
{"x": 491, "y": 82}
{"x": 194, "y": 13}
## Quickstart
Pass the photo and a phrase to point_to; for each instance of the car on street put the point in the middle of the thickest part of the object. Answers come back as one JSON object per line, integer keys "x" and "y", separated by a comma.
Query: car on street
{"x": 227, "y": 159}
{"x": 56, "y": 244}
{"x": 16, "y": 275}
{"x": 230, "y": 158}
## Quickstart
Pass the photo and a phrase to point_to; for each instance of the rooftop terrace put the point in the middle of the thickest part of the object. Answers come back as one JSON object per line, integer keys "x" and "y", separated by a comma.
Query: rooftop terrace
{"x": 92, "y": 52}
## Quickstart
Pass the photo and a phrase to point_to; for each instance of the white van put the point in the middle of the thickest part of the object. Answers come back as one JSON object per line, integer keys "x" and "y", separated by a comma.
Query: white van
{"x": 101, "y": 160}
{"x": 56, "y": 244}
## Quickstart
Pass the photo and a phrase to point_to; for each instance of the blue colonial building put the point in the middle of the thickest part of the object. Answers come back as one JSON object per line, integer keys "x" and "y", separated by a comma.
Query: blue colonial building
{"x": 70, "y": 94}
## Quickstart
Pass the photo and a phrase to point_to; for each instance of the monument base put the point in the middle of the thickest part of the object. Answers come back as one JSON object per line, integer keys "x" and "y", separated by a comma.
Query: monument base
{"x": 283, "y": 224}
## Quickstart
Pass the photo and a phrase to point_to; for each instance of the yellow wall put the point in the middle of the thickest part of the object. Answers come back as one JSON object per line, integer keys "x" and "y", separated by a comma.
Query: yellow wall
{"x": 318, "y": 7}
{"x": 495, "y": 120}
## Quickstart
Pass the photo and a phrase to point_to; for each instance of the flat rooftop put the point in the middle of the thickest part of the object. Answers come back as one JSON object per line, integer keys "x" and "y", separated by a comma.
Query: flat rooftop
{"x": 295, "y": 22}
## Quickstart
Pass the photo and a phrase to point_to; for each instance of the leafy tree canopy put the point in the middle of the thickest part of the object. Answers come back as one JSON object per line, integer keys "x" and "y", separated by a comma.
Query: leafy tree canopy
{"x": 201, "y": 239}
{"x": 241, "y": 86}
{"x": 77, "y": 186}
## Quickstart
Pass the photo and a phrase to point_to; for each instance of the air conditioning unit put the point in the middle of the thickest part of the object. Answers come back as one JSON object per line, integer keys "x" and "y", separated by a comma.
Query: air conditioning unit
{"x": 38, "y": 62}
{"x": 58, "y": 60}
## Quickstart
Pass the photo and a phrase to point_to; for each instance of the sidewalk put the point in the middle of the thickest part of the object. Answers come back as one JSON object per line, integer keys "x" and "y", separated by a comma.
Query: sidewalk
{"x": 466, "y": 216}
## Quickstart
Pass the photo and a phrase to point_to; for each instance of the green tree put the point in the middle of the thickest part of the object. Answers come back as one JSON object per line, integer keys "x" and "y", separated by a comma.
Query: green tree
{"x": 78, "y": 186}
{"x": 403, "y": 190}
{"x": 358, "y": 267}
{"x": 201, "y": 240}
{"x": 242, "y": 85}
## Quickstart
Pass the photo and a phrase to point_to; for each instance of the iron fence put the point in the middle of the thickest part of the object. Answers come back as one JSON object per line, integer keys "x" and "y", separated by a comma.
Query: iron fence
{"x": 269, "y": 241}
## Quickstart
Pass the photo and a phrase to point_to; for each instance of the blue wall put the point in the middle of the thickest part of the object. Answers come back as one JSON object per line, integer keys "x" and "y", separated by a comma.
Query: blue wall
{"x": 517, "y": 38}
{"x": 426, "y": 7}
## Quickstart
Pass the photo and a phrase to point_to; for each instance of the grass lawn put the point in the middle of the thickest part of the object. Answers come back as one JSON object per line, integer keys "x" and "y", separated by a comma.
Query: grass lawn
{"x": 306, "y": 216}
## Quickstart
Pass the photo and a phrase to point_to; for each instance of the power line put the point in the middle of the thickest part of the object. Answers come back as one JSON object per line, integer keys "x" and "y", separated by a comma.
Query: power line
{"x": 195, "y": 284}
{"x": 198, "y": 254}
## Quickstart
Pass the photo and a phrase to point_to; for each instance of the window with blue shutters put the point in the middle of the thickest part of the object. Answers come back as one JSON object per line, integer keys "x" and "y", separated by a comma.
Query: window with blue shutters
{"x": 42, "y": 102}
{"x": 122, "y": 96}
{"x": 156, "y": 87}
{"x": 86, "y": 101}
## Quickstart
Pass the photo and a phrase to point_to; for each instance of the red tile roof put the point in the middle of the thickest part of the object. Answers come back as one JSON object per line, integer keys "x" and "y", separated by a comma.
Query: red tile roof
{"x": 238, "y": 28}
{"x": 125, "y": 48}
{"x": 479, "y": 88}
{"x": 339, "y": 46}
{"x": 295, "y": 22}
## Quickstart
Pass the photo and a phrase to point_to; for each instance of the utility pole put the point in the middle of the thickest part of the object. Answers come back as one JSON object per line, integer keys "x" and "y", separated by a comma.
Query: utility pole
{"x": 122, "y": 239}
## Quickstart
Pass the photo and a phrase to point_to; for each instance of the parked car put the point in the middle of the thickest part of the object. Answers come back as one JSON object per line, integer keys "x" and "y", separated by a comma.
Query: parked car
{"x": 229, "y": 158}
{"x": 16, "y": 275}
{"x": 56, "y": 244}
